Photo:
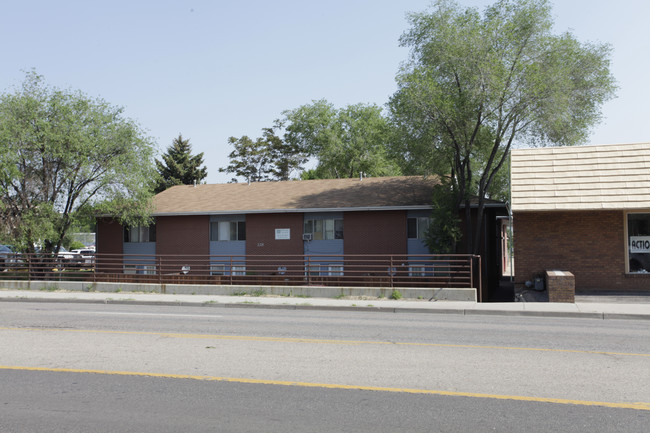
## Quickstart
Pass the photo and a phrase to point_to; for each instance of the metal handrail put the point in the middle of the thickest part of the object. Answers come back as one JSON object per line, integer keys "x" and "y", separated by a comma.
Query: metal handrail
{"x": 391, "y": 270}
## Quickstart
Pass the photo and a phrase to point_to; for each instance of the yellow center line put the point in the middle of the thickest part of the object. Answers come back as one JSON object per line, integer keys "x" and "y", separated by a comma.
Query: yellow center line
{"x": 617, "y": 405}
{"x": 318, "y": 341}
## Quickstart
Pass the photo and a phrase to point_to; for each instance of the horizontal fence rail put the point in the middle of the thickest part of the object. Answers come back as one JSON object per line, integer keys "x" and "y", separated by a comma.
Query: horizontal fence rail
{"x": 408, "y": 270}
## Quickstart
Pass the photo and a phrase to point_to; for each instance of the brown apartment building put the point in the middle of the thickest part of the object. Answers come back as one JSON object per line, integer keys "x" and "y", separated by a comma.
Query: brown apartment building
{"x": 318, "y": 218}
{"x": 586, "y": 210}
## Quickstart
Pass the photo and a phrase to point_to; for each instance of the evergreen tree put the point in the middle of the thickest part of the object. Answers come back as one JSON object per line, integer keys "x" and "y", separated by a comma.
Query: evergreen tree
{"x": 179, "y": 166}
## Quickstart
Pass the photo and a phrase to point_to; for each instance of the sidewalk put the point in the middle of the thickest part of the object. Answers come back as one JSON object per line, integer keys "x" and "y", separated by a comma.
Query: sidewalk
{"x": 595, "y": 307}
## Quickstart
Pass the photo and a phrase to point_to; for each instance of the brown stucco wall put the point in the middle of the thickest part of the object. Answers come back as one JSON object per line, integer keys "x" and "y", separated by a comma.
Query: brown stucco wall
{"x": 375, "y": 232}
{"x": 590, "y": 244}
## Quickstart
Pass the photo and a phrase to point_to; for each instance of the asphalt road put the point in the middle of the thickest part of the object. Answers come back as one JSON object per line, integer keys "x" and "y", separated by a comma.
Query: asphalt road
{"x": 87, "y": 367}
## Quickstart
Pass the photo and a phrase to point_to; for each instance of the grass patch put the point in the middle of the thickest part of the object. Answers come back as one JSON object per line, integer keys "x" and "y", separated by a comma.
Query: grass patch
{"x": 396, "y": 294}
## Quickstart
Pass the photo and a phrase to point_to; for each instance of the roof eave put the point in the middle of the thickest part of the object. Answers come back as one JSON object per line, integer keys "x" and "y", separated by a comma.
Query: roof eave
{"x": 301, "y": 210}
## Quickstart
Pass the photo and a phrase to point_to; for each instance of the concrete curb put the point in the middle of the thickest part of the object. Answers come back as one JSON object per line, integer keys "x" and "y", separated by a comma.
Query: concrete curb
{"x": 258, "y": 303}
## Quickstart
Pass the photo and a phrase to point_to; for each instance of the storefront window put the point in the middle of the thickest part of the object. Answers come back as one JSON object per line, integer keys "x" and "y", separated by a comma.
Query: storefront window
{"x": 638, "y": 232}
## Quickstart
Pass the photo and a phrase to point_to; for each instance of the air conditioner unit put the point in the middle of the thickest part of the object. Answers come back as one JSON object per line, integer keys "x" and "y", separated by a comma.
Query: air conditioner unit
{"x": 306, "y": 236}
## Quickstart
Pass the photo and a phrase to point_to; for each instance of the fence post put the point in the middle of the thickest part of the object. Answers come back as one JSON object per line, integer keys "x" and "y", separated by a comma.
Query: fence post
{"x": 309, "y": 270}
{"x": 470, "y": 259}
{"x": 480, "y": 279}
{"x": 159, "y": 269}
{"x": 231, "y": 270}
{"x": 390, "y": 272}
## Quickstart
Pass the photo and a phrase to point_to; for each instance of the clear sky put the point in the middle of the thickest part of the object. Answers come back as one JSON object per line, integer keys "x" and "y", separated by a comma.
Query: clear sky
{"x": 215, "y": 69}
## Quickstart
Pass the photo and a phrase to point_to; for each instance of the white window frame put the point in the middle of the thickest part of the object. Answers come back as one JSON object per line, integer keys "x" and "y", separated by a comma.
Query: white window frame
{"x": 133, "y": 269}
{"x": 421, "y": 226}
{"x": 324, "y": 229}
{"x": 219, "y": 228}
{"x": 217, "y": 269}
{"x": 335, "y": 270}
{"x": 417, "y": 271}
{"x": 140, "y": 234}
{"x": 239, "y": 270}
{"x": 627, "y": 244}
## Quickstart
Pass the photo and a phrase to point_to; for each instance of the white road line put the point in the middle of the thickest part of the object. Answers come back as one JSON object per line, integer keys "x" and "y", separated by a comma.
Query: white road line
{"x": 120, "y": 313}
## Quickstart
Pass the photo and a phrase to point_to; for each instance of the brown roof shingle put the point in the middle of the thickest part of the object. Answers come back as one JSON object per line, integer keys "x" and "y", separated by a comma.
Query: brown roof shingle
{"x": 297, "y": 195}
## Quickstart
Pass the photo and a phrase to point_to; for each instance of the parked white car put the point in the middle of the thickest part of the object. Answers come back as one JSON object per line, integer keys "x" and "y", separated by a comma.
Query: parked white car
{"x": 84, "y": 256}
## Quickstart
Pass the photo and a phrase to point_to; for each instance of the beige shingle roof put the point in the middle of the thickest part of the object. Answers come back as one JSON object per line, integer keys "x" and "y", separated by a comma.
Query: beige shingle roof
{"x": 614, "y": 176}
{"x": 298, "y": 195}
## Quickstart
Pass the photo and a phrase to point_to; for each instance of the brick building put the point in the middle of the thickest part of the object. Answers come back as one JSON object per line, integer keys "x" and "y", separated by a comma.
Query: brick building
{"x": 317, "y": 218}
{"x": 586, "y": 210}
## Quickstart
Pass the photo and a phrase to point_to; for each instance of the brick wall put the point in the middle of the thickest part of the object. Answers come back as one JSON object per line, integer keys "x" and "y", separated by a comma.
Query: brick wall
{"x": 260, "y": 233}
{"x": 589, "y": 244}
{"x": 260, "y": 239}
{"x": 561, "y": 286}
{"x": 183, "y": 235}
{"x": 110, "y": 236}
{"x": 375, "y": 232}
{"x": 109, "y": 240}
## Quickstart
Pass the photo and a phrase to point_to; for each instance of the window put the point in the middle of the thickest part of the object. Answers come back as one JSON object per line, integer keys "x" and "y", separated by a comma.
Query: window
{"x": 218, "y": 270}
{"x": 223, "y": 269}
{"x": 421, "y": 270}
{"x": 228, "y": 231}
{"x": 140, "y": 269}
{"x": 324, "y": 229}
{"x": 239, "y": 270}
{"x": 323, "y": 270}
{"x": 416, "y": 271}
{"x": 335, "y": 271}
{"x": 638, "y": 242}
{"x": 416, "y": 228}
{"x": 140, "y": 234}
{"x": 313, "y": 270}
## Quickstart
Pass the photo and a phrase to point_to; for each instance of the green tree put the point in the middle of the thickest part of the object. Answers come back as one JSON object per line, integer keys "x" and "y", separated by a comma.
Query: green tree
{"x": 63, "y": 153}
{"x": 475, "y": 85}
{"x": 443, "y": 235}
{"x": 179, "y": 166}
{"x": 344, "y": 141}
{"x": 269, "y": 157}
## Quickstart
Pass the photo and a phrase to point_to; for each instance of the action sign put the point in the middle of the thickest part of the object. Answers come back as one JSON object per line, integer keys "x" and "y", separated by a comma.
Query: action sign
{"x": 639, "y": 244}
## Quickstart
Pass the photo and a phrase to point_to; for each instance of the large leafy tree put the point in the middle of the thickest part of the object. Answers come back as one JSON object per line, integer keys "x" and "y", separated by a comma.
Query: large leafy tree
{"x": 179, "y": 166}
{"x": 477, "y": 84}
{"x": 345, "y": 142}
{"x": 269, "y": 157}
{"x": 63, "y": 153}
